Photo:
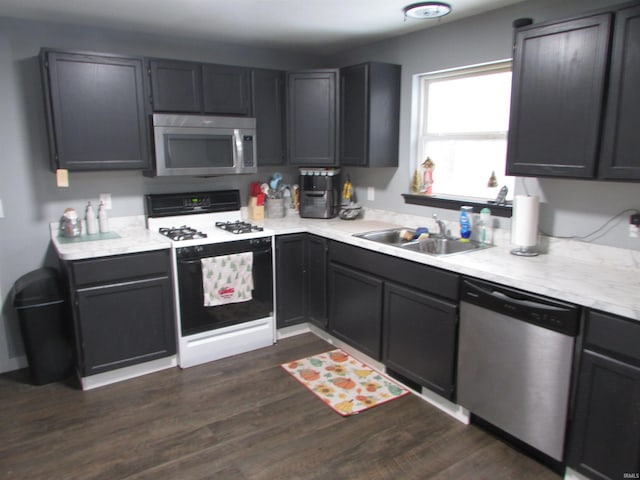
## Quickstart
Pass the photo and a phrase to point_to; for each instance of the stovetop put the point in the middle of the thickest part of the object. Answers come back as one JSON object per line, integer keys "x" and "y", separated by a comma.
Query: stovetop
{"x": 200, "y": 218}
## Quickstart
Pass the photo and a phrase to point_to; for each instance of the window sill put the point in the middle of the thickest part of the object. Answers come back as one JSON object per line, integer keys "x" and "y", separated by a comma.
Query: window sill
{"x": 454, "y": 203}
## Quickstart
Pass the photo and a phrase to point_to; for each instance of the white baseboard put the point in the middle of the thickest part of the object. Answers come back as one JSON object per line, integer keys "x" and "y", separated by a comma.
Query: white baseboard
{"x": 113, "y": 376}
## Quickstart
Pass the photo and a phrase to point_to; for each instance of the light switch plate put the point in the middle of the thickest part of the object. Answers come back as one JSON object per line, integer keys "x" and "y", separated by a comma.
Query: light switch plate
{"x": 105, "y": 198}
{"x": 1, "y": 212}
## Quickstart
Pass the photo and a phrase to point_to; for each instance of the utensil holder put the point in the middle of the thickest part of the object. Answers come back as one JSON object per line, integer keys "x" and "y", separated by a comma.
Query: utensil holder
{"x": 275, "y": 208}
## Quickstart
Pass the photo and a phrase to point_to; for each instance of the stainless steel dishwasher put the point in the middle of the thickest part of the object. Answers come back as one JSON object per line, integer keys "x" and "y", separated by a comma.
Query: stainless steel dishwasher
{"x": 514, "y": 362}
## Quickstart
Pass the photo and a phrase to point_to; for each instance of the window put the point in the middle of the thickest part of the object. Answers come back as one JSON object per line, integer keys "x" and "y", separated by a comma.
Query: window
{"x": 462, "y": 140}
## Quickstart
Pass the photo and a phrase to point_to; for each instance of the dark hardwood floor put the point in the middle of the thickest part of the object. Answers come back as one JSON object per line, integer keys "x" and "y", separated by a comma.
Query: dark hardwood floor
{"x": 238, "y": 418}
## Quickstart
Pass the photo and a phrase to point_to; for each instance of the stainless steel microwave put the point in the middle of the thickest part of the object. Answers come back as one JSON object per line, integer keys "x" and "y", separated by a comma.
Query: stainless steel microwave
{"x": 199, "y": 145}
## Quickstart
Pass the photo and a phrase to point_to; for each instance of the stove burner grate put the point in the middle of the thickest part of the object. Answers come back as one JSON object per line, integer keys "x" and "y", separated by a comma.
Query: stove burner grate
{"x": 182, "y": 233}
{"x": 239, "y": 227}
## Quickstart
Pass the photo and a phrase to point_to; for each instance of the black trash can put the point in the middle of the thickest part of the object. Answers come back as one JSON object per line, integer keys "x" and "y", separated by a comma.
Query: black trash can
{"x": 40, "y": 301}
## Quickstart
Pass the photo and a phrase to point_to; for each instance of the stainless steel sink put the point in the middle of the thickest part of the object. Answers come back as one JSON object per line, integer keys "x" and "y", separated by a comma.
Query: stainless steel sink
{"x": 443, "y": 246}
{"x": 392, "y": 236}
{"x": 433, "y": 245}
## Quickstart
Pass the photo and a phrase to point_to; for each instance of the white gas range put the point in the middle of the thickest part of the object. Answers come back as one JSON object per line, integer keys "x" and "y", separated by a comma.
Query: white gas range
{"x": 223, "y": 274}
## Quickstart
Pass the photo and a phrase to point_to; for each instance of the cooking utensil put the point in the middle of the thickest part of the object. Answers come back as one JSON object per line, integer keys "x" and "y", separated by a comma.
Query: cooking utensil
{"x": 275, "y": 180}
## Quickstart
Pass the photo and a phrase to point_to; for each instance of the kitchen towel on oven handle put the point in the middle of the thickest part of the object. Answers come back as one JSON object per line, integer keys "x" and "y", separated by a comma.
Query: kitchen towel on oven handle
{"x": 227, "y": 279}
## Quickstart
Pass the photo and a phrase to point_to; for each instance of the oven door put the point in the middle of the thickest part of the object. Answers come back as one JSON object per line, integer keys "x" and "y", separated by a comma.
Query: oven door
{"x": 195, "y": 317}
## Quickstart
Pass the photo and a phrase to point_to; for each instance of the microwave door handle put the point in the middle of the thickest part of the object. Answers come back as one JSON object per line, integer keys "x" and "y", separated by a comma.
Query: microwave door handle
{"x": 237, "y": 150}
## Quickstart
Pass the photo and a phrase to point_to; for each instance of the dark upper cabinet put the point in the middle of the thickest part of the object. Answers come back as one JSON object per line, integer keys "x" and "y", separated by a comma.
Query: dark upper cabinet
{"x": 604, "y": 439}
{"x": 558, "y": 87}
{"x": 95, "y": 111}
{"x": 190, "y": 87}
{"x": 268, "y": 98}
{"x": 621, "y": 142}
{"x": 312, "y": 113}
{"x": 176, "y": 86}
{"x": 369, "y": 115}
{"x": 226, "y": 90}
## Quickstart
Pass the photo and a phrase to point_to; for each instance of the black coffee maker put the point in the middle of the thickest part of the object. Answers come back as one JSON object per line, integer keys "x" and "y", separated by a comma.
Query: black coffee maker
{"x": 319, "y": 192}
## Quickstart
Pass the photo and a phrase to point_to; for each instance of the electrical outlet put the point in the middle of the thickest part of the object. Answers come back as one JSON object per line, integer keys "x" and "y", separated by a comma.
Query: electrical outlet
{"x": 371, "y": 194}
{"x": 105, "y": 198}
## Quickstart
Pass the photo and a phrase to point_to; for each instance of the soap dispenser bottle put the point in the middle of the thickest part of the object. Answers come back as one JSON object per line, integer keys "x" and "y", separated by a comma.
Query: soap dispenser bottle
{"x": 90, "y": 220}
{"x": 465, "y": 223}
{"x": 103, "y": 219}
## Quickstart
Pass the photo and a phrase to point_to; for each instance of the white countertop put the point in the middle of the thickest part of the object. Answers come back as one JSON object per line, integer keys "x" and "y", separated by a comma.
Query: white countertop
{"x": 597, "y": 277}
{"x": 133, "y": 237}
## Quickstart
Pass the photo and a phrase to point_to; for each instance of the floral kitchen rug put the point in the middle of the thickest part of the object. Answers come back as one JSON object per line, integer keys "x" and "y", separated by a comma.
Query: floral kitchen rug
{"x": 344, "y": 383}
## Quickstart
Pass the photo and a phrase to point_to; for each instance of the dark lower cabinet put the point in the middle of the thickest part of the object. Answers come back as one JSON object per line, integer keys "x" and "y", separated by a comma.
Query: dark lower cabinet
{"x": 397, "y": 311}
{"x": 95, "y": 108}
{"x": 420, "y": 337}
{"x": 123, "y": 310}
{"x": 317, "y": 250}
{"x": 291, "y": 285}
{"x": 355, "y": 309}
{"x": 604, "y": 442}
{"x": 301, "y": 280}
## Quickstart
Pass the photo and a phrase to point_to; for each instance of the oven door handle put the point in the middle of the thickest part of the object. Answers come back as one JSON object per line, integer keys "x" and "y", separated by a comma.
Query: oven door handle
{"x": 265, "y": 251}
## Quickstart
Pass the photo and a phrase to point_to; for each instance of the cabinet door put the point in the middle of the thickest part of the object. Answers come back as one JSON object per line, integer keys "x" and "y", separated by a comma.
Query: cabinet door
{"x": 176, "y": 86}
{"x": 420, "y": 338}
{"x": 317, "y": 248}
{"x": 291, "y": 290}
{"x": 124, "y": 324}
{"x": 226, "y": 90}
{"x": 354, "y": 113}
{"x": 96, "y": 111}
{"x": 312, "y": 117}
{"x": 369, "y": 115}
{"x": 559, "y": 75}
{"x": 355, "y": 309}
{"x": 605, "y": 434}
{"x": 268, "y": 87}
{"x": 621, "y": 142}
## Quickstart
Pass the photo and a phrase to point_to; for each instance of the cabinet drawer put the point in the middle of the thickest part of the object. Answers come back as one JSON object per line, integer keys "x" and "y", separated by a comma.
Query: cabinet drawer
{"x": 120, "y": 268}
{"x": 421, "y": 277}
{"x": 614, "y": 334}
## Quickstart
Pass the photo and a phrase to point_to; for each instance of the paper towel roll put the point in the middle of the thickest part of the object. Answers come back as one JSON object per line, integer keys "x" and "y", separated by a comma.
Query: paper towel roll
{"x": 524, "y": 224}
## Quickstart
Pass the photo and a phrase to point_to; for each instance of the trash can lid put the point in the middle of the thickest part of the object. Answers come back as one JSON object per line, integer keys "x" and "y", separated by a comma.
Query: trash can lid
{"x": 38, "y": 287}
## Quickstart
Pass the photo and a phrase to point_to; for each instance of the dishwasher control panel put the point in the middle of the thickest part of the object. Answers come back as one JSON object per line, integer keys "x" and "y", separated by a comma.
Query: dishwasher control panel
{"x": 542, "y": 311}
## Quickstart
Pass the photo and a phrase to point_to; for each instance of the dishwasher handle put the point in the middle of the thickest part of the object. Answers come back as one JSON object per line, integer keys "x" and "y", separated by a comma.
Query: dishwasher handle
{"x": 542, "y": 311}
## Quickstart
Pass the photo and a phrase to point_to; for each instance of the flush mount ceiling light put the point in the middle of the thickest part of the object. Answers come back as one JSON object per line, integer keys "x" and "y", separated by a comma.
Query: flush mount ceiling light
{"x": 425, "y": 10}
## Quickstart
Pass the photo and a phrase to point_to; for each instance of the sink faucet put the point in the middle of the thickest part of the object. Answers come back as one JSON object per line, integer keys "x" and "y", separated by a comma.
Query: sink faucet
{"x": 441, "y": 226}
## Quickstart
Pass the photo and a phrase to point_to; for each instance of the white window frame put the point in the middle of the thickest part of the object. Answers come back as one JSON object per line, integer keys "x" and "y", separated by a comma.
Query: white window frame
{"x": 460, "y": 72}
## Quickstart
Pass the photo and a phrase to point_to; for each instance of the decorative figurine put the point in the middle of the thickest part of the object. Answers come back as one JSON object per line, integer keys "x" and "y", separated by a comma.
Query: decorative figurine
{"x": 427, "y": 176}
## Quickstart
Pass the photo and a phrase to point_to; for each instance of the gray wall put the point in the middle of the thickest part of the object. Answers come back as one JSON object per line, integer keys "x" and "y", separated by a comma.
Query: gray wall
{"x": 31, "y": 199}
{"x": 27, "y": 187}
{"x": 569, "y": 207}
